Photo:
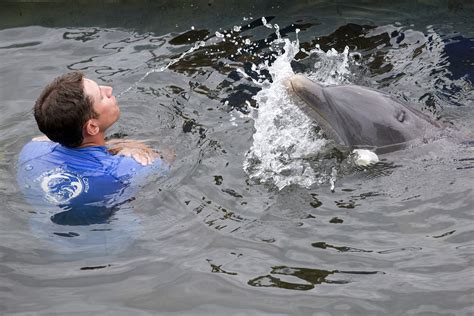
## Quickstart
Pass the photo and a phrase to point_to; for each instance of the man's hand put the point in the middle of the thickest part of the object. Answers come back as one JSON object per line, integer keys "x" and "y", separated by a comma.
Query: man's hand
{"x": 132, "y": 148}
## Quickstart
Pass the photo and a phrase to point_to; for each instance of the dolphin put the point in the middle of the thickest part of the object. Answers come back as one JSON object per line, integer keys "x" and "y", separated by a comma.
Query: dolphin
{"x": 360, "y": 117}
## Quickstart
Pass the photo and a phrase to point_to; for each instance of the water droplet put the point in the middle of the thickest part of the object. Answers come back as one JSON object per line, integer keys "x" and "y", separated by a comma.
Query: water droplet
{"x": 28, "y": 167}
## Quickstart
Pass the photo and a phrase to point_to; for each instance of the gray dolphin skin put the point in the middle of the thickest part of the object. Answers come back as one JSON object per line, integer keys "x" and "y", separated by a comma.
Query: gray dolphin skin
{"x": 360, "y": 117}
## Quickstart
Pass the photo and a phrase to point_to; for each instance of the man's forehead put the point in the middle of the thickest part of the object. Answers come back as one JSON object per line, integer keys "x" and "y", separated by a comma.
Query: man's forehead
{"x": 89, "y": 81}
{"x": 90, "y": 86}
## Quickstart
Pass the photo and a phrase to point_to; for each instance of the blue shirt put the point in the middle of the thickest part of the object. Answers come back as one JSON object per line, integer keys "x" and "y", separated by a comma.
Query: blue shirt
{"x": 86, "y": 184}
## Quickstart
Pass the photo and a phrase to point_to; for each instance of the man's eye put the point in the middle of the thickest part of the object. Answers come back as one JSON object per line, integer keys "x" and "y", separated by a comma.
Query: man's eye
{"x": 401, "y": 116}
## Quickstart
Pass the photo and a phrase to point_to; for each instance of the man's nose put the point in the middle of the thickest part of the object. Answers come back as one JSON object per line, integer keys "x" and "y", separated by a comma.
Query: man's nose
{"x": 108, "y": 91}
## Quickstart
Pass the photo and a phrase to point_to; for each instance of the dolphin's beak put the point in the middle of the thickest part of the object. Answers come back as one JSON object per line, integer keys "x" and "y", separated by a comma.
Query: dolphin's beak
{"x": 308, "y": 90}
{"x": 299, "y": 84}
{"x": 287, "y": 84}
{"x": 314, "y": 104}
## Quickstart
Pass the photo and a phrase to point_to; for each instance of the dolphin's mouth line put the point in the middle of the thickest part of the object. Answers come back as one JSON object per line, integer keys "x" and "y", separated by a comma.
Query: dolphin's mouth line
{"x": 321, "y": 120}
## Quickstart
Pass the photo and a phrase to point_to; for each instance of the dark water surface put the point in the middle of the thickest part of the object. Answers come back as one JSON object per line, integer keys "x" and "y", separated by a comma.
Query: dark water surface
{"x": 246, "y": 225}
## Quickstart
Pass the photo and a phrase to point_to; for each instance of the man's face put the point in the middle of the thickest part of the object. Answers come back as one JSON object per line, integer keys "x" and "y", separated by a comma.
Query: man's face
{"x": 104, "y": 103}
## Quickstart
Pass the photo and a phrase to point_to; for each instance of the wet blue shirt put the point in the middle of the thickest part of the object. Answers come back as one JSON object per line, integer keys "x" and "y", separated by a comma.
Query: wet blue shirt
{"x": 87, "y": 184}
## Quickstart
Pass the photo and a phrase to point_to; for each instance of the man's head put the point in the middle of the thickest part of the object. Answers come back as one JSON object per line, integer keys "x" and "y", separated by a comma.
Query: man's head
{"x": 72, "y": 109}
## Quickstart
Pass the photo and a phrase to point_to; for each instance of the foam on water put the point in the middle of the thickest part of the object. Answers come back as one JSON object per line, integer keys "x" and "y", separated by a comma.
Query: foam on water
{"x": 285, "y": 139}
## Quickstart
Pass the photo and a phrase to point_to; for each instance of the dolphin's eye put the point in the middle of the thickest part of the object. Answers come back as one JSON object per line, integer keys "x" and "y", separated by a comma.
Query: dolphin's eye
{"x": 401, "y": 116}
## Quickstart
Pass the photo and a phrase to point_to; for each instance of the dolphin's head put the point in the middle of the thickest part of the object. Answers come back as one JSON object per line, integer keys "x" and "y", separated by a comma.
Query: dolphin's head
{"x": 358, "y": 117}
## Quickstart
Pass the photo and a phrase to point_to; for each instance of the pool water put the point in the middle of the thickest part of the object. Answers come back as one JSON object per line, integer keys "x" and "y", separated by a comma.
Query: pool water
{"x": 261, "y": 213}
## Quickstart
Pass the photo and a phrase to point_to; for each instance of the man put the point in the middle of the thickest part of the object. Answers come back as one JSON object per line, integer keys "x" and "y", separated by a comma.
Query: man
{"x": 72, "y": 167}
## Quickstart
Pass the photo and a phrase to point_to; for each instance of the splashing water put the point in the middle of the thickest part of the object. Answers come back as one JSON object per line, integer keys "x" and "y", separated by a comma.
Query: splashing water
{"x": 285, "y": 139}
{"x": 332, "y": 67}
{"x": 197, "y": 45}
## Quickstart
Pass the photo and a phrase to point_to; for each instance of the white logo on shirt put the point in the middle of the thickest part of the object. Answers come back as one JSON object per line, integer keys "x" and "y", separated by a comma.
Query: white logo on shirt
{"x": 61, "y": 186}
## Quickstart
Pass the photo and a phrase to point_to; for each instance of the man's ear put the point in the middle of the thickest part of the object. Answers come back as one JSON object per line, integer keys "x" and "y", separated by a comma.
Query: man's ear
{"x": 91, "y": 127}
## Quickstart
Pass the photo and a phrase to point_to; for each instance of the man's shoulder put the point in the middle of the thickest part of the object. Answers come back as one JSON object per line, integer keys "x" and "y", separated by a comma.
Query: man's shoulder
{"x": 89, "y": 161}
{"x": 36, "y": 149}
{"x": 48, "y": 155}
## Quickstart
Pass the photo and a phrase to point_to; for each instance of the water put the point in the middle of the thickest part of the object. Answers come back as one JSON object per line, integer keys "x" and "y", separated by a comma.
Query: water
{"x": 247, "y": 223}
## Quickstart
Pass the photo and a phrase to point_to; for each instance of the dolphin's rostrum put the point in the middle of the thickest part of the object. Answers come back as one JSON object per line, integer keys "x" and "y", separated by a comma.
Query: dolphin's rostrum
{"x": 360, "y": 117}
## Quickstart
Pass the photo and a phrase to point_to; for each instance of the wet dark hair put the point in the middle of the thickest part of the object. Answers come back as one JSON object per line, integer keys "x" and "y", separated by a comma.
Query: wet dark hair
{"x": 63, "y": 108}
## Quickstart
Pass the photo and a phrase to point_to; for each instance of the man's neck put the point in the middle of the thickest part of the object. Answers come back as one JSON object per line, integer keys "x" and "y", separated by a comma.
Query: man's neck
{"x": 96, "y": 140}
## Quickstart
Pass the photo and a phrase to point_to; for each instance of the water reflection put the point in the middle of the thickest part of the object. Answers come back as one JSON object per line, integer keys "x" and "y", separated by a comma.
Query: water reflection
{"x": 312, "y": 277}
{"x": 324, "y": 245}
{"x": 84, "y": 215}
{"x": 87, "y": 231}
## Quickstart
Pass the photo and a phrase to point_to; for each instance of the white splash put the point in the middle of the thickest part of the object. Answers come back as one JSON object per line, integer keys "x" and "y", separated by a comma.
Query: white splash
{"x": 331, "y": 67}
{"x": 285, "y": 139}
